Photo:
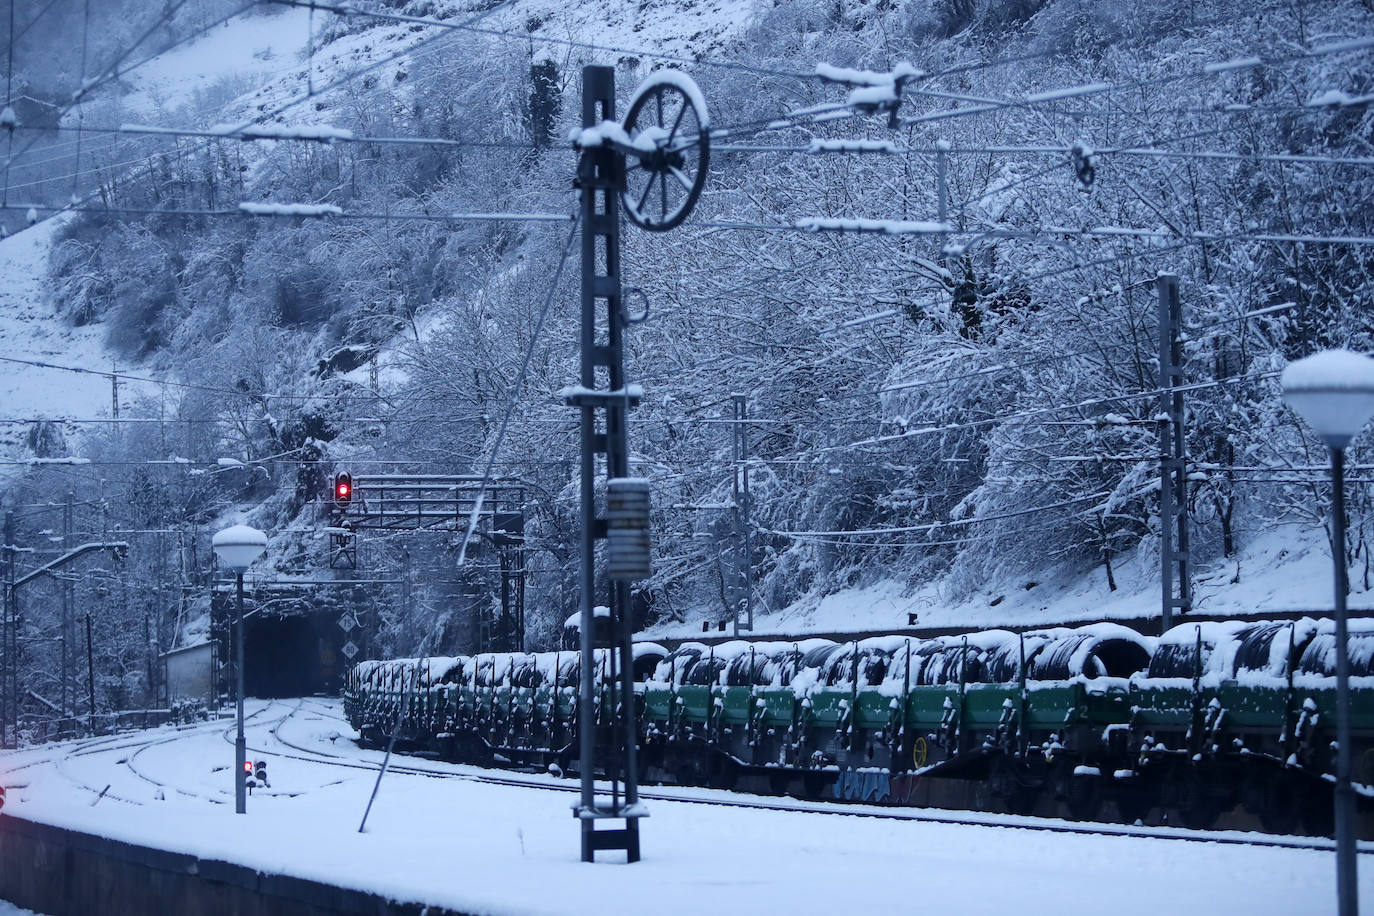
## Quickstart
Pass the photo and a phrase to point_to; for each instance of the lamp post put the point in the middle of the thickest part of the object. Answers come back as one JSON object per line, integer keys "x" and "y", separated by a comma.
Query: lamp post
{"x": 1333, "y": 391}
{"x": 237, "y": 548}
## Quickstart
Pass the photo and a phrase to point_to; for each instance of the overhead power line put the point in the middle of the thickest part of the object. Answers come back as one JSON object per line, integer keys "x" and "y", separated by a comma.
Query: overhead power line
{"x": 334, "y": 84}
{"x": 539, "y": 39}
{"x": 934, "y": 526}
{"x": 1085, "y": 90}
{"x": 305, "y": 133}
{"x": 113, "y": 71}
{"x": 821, "y": 147}
{"x": 1041, "y": 411}
{"x": 851, "y": 225}
{"x": 304, "y": 211}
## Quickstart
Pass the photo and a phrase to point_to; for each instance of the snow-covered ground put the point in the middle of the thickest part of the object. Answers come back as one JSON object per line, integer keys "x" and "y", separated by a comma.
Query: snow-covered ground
{"x": 9, "y": 909}
{"x": 498, "y": 849}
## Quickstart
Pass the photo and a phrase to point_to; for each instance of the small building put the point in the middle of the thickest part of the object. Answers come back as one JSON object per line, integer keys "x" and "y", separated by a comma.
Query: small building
{"x": 189, "y": 673}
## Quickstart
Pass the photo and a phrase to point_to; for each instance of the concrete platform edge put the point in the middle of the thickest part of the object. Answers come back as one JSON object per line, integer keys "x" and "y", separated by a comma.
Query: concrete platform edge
{"x": 61, "y": 872}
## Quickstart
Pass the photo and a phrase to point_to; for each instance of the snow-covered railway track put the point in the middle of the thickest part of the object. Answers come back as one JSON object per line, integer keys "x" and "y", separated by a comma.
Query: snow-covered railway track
{"x": 277, "y": 718}
{"x": 61, "y": 761}
{"x": 220, "y": 798}
{"x": 722, "y": 798}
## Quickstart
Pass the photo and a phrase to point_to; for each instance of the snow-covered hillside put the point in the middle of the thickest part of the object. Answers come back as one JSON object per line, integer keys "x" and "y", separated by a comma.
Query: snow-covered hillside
{"x": 1287, "y": 569}
{"x": 966, "y": 432}
{"x": 30, "y": 330}
{"x": 244, "y": 52}
{"x": 242, "y": 55}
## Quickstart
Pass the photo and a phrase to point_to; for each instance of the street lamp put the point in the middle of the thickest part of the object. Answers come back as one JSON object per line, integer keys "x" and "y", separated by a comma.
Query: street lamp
{"x": 1334, "y": 392}
{"x": 237, "y": 548}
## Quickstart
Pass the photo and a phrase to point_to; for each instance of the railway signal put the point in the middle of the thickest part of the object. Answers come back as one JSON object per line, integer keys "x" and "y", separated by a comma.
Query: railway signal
{"x": 343, "y": 490}
{"x": 260, "y": 773}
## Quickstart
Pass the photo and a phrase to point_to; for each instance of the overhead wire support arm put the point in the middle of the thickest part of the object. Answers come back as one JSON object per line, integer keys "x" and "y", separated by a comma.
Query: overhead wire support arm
{"x": 9, "y": 708}
{"x": 120, "y": 549}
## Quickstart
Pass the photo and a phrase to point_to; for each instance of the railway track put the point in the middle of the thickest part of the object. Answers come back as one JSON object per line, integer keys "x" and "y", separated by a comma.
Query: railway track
{"x": 721, "y": 798}
{"x": 61, "y": 760}
{"x": 290, "y": 747}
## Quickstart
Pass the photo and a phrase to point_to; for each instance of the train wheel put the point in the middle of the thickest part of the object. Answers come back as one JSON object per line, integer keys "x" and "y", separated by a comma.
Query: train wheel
{"x": 724, "y": 774}
{"x": 1198, "y": 807}
{"x": 1280, "y": 804}
{"x": 688, "y": 768}
{"x": 1084, "y": 797}
{"x": 1012, "y": 786}
{"x": 779, "y": 781}
{"x": 1081, "y": 793}
{"x": 1133, "y": 803}
{"x": 1318, "y": 810}
{"x": 815, "y": 782}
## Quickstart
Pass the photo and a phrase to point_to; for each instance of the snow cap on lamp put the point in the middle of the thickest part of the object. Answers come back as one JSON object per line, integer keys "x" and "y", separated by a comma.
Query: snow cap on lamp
{"x": 238, "y": 546}
{"x": 1333, "y": 391}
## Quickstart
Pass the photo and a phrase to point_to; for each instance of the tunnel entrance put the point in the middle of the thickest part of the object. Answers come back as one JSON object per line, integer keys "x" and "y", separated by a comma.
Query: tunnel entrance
{"x": 291, "y": 656}
{"x": 298, "y": 637}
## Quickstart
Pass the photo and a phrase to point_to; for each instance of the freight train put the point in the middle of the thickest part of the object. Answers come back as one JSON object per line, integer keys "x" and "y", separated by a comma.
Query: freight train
{"x": 1094, "y": 722}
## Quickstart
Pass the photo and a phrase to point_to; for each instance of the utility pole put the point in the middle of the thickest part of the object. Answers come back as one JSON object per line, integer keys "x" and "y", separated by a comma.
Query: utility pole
{"x": 114, "y": 401}
{"x": 90, "y": 677}
{"x": 744, "y": 552}
{"x": 9, "y": 696}
{"x": 1174, "y": 557}
{"x": 600, "y": 179}
{"x": 68, "y": 621}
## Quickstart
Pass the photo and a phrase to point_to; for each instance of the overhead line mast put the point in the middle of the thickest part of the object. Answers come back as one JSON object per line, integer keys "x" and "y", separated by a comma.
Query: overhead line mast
{"x": 665, "y": 130}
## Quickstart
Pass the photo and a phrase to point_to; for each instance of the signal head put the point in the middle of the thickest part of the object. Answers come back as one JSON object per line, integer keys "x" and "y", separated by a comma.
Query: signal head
{"x": 343, "y": 489}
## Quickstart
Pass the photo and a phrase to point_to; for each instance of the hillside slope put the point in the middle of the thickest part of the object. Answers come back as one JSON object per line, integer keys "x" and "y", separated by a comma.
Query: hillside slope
{"x": 938, "y": 414}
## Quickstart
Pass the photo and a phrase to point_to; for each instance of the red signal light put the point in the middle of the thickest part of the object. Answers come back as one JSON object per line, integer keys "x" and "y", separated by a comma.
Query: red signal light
{"x": 248, "y": 766}
{"x": 343, "y": 490}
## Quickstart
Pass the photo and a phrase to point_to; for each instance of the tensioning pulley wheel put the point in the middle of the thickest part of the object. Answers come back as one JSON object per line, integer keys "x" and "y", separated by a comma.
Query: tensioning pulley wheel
{"x": 671, "y": 145}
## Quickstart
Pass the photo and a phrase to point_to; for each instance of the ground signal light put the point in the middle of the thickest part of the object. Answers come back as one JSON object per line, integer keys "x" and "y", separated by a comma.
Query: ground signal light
{"x": 343, "y": 489}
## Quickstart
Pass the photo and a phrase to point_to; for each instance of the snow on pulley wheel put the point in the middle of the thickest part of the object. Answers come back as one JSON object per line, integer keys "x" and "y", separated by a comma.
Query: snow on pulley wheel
{"x": 668, "y": 126}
